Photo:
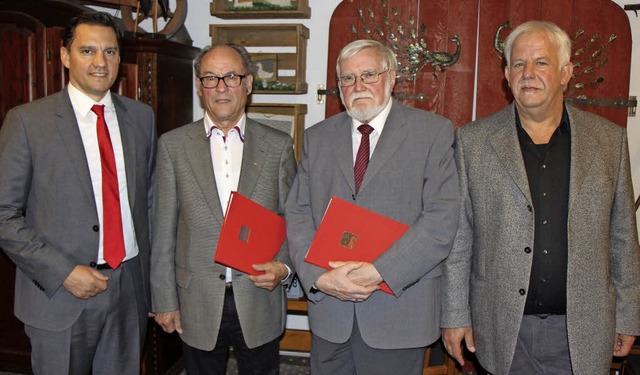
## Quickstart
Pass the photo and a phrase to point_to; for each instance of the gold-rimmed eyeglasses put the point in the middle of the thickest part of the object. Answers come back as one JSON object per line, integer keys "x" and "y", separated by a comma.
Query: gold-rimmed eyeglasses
{"x": 366, "y": 77}
{"x": 231, "y": 80}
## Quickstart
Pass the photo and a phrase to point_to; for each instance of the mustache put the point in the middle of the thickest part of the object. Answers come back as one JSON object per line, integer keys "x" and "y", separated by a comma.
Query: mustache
{"x": 361, "y": 95}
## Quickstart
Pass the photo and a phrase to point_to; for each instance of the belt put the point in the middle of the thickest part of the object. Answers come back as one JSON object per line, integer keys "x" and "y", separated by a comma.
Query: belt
{"x": 104, "y": 266}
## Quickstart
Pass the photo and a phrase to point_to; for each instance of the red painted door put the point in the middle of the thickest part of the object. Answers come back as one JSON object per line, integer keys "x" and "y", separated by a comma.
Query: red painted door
{"x": 602, "y": 50}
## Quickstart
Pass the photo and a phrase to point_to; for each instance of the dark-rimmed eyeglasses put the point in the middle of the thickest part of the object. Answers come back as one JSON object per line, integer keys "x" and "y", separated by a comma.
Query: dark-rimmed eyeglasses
{"x": 366, "y": 77}
{"x": 231, "y": 80}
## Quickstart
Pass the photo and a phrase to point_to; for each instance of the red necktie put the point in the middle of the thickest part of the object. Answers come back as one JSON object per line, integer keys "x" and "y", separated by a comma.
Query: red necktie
{"x": 113, "y": 243}
{"x": 362, "y": 157}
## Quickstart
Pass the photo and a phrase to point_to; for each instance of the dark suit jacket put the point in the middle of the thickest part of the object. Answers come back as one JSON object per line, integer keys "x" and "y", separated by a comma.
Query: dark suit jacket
{"x": 411, "y": 178}
{"x": 186, "y": 226}
{"x": 48, "y": 218}
{"x": 488, "y": 265}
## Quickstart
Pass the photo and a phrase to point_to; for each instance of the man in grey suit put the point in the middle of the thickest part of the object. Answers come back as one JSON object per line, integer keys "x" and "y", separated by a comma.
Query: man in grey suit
{"x": 410, "y": 178}
{"x": 199, "y": 164}
{"x": 544, "y": 275}
{"x": 84, "y": 310}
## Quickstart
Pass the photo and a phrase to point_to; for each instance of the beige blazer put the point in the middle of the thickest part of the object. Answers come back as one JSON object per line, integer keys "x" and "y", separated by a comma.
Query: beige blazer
{"x": 186, "y": 225}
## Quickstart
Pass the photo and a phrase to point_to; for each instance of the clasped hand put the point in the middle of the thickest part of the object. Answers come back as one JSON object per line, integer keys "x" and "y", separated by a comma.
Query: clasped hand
{"x": 350, "y": 281}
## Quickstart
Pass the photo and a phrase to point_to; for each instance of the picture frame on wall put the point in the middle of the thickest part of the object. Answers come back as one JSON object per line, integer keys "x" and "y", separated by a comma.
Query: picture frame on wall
{"x": 257, "y": 9}
{"x": 288, "y": 118}
{"x": 266, "y": 65}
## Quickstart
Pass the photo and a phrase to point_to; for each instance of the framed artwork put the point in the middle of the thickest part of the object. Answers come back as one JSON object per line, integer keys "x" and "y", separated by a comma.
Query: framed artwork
{"x": 288, "y": 118}
{"x": 235, "y": 9}
{"x": 266, "y": 65}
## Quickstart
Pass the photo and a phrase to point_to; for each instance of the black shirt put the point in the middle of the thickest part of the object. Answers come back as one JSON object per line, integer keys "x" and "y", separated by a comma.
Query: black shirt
{"x": 547, "y": 168}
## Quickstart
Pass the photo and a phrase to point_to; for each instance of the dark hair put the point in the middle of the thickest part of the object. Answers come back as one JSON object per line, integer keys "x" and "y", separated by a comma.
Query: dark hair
{"x": 91, "y": 18}
{"x": 244, "y": 56}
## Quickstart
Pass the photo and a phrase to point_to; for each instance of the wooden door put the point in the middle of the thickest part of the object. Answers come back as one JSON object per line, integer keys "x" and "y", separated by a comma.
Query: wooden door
{"x": 602, "y": 50}
{"x": 417, "y": 28}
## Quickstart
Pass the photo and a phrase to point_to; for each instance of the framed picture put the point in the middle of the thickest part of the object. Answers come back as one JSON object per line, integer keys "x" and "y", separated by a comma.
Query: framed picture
{"x": 288, "y": 118}
{"x": 266, "y": 65}
{"x": 235, "y": 9}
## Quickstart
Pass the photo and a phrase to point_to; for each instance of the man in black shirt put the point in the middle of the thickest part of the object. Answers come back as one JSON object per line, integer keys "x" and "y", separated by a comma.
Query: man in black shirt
{"x": 544, "y": 275}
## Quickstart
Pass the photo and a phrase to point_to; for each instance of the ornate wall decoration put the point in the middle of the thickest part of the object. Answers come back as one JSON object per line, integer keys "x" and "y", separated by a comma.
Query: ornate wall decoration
{"x": 380, "y": 22}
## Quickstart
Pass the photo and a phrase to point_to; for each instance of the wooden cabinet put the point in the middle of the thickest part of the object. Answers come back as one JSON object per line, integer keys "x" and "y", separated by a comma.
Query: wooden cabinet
{"x": 155, "y": 71}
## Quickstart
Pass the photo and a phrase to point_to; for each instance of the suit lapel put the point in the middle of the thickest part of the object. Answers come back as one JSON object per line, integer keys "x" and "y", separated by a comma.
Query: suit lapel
{"x": 506, "y": 144}
{"x": 390, "y": 141}
{"x": 255, "y": 147}
{"x": 127, "y": 136}
{"x": 67, "y": 125}
{"x": 198, "y": 153}
{"x": 343, "y": 150}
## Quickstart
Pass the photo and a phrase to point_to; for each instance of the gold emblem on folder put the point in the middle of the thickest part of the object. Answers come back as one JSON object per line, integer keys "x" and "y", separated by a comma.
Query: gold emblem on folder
{"x": 348, "y": 240}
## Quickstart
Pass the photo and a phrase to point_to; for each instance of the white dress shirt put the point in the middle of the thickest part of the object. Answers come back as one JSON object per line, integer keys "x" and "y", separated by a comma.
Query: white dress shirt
{"x": 226, "y": 157}
{"x": 88, "y": 132}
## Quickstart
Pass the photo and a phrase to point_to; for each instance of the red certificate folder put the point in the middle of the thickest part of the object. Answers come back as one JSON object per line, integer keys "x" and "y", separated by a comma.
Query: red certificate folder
{"x": 352, "y": 233}
{"x": 250, "y": 234}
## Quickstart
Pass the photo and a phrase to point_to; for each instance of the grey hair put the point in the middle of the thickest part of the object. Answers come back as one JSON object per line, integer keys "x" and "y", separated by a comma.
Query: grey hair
{"x": 244, "y": 56}
{"x": 387, "y": 56}
{"x": 558, "y": 36}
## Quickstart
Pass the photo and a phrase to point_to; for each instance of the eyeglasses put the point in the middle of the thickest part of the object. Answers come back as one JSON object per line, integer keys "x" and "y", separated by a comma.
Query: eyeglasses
{"x": 231, "y": 80}
{"x": 366, "y": 77}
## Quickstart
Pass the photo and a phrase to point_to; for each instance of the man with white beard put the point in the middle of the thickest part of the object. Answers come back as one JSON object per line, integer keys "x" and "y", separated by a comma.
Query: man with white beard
{"x": 398, "y": 162}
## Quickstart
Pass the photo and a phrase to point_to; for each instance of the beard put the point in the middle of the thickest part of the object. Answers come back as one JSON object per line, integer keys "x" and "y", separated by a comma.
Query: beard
{"x": 366, "y": 114}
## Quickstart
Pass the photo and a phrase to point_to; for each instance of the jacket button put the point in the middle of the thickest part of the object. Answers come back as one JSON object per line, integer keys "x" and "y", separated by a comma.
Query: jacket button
{"x": 353, "y": 197}
{"x": 522, "y": 292}
{"x": 93, "y": 264}
{"x": 527, "y": 249}
{"x": 222, "y": 277}
{"x": 529, "y": 208}
{"x": 96, "y": 228}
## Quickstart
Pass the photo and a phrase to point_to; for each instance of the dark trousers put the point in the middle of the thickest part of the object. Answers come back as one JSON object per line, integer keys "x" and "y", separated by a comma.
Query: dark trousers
{"x": 264, "y": 359}
{"x": 542, "y": 347}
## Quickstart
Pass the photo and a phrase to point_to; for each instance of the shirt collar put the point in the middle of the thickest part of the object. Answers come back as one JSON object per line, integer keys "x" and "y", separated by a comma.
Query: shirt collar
{"x": 378, "y": 121}
{"x": 208, "y": 124}
{"x": 564, "y": 127}
{"x": 82, "y": 103}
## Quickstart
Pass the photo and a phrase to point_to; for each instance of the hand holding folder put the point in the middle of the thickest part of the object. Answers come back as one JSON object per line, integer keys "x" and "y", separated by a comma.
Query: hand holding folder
{"x": 250, "y": 234}
{"x": 352, "y": 233}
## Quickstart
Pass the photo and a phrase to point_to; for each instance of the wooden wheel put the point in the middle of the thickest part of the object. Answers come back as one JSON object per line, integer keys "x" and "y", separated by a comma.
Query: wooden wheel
{"x": 176, "y": 18}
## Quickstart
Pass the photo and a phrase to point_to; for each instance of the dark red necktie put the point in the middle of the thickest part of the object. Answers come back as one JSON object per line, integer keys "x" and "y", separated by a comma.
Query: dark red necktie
{"x": 113, "y": 243}
{"x": 362, "y": 157}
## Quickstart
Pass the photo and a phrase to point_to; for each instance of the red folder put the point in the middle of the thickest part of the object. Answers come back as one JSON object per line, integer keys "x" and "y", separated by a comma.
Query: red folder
{"x": 250, "y": 234}
{"x": 352, "y": 233}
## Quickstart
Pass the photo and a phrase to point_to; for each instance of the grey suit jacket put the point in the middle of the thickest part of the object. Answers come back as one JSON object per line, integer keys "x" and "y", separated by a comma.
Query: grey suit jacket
{"x": 411, "y": 178}
{"x": 488, "y": 265}
{"x": 186, "y": 226}
{"x": 48, "y": 218}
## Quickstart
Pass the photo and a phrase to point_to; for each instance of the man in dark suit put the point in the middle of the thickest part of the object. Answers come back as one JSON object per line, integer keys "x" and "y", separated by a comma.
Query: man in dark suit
{"x": 77, "y": 170}
{"x": 544, "y": 275}
{"x": 410, "y": 178}
{"x": 212, "y": 306}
